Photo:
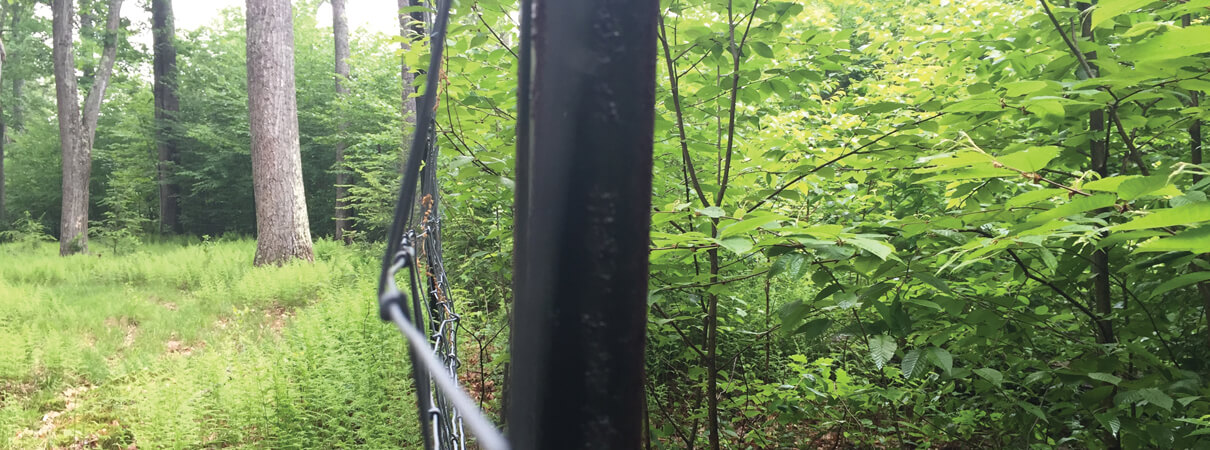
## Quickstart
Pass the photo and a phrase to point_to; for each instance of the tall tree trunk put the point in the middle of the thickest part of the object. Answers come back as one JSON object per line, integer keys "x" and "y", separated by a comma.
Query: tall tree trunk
{"x": 712, "y": 419}
{"x": 1102, "y": 299}
{"x": 411, "y": 27}
{"x": 163, "y": 32}
{"x": 3, "y": 125}
{"x": 1195, "y": 156}
{"x": 283, "y": 232}
{"x": 340, "y": 32}
{"x": 18, "y": 116}
{"x": 77, "y": 127}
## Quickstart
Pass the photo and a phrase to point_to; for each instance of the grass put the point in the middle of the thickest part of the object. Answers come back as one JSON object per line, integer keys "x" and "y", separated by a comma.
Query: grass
{"x": 186, "y": 345}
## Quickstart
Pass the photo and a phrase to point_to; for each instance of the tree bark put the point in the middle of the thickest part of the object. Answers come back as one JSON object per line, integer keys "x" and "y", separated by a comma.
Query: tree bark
{"x": 411, "y": 27}
{"x": 1195, "y": 157}
{"x": 1102, "y": 299}
{"x": 3, "y": 125}
{"x": 340, "y": 32}
{"x": 18, "y": 117}
{"x": 163, "y": 32}
{"x": 1102, "y": 295}
{"x": 283, "y": 232}
{"x": 77, "y": 127}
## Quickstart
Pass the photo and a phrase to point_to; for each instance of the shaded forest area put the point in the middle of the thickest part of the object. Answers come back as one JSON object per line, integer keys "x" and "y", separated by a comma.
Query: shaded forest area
{"x": 923, "y": 224}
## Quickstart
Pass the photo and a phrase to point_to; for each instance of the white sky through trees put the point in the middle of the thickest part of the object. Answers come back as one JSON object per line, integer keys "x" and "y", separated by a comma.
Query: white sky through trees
{"x": 375, "y": 15}
{"x": 372, "y": 15}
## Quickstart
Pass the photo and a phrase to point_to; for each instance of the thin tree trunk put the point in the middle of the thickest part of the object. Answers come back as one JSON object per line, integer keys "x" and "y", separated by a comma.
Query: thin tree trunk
{"x": 283, "y": 232}
{"x": 18, "y": 116}
{"x": 411, "y": 27}
{"x": 78, "y": 127}
{"x": 163, "y": 32}
{"x": 1102, "y": 295}
{"x": 1195, "y": 157}
{"x": 340, "y": 33}
{"x": 1099, "y": 160}
{"x": 712, "y": 348}
{"x": 3, "y": 125}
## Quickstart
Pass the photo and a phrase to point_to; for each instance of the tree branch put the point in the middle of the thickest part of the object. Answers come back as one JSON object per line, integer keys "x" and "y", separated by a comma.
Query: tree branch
{"x": 92, "y": 103}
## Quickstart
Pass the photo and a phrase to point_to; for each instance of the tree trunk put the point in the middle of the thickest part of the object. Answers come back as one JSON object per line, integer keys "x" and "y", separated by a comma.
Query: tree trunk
{"x": 340, "y": 32}
{"x": 77, "y": 128}
{"x": 1195, "y": 157}
{"x": 1102, "y": 299}
{"x": 283, "y": 232}
{"x": 1099, "y": 151}
{"x": 163, "y": 32}
{"x": 3, "y": 126}
{"x": 18, "y": 116}
{"x": 409, "y": 31}
{"x": 712, "y": 420}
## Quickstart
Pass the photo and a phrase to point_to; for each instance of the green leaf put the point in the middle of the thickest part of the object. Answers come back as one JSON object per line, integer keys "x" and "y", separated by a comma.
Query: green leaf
{"x": 1110, "y": 421}
{"x": 1047, "y": 108}
{"x": 969, "y": 173}
{"x": 1033, "y": 409}
{"x": 1137, "y": 187}
{"x": 882, "y": 349}
{"x": 1031, "y": 197}
{"x": 933, "y": 281}
{"x": 1196, "y": 240}
{"x": 1108, "y": 378}
{"x": 1180, "y": 282}
{"x": 992, "y": 375}
{"x": 941, "y": 358}
{"x": 792, "y": 264}
{"x": 911, "y": 363}
{"x": 1107, "y": 184}
{"x": 1030, "y": 160}
{"x": 1156, "y": 397}
{"x": 1174, "y": 43}
{"x": 1075, "y": 206}
{"x": 738, "y": 245}
{"x": 1108, "y": 9}
{"x": 749, "y": 224}
{"x": 812, "y": 329}
{"x": 712, "y": 212}
{"x": 1169, "y": 217}
{"x": 762, "y": 49}
{"x": 1141, "y": 28}
{"x": 1020, "y": 88}
{"x": 877, "y": 248}
{"x": 873, "y": 293}
{"x": 792, "y": 314}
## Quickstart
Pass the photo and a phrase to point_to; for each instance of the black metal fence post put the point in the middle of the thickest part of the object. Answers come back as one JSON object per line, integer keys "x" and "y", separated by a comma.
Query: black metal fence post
{"x": 584, "y": 201}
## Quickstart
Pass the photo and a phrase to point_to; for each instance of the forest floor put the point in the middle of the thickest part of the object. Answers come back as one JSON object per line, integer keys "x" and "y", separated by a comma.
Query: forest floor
{"x": 188, "y": 345}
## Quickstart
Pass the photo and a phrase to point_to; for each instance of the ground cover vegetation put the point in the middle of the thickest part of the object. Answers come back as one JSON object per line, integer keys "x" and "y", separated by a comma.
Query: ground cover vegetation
{"x": 923, "y": 224}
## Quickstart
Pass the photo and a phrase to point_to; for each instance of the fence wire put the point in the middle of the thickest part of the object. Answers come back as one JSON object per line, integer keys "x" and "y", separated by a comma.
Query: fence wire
{"x": 443, "y": 407}
{"x": 442, "y": 317}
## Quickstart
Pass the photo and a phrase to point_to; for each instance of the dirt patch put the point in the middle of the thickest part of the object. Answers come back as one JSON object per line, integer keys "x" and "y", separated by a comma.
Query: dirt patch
{"x": 276, "y": 317}
{"x": 175, "y": 346}
{"x": 477, "y": 378}
{"x": 12, "y": 389}
{"x": 166, "y": 304}
{"x": 50, "y": 420}
{"x": 129, "y": 324}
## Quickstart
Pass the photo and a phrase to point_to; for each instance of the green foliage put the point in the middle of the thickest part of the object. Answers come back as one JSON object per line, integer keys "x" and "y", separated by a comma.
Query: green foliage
{"x": 27, "y": 232}
{"x": 184, "y": 345}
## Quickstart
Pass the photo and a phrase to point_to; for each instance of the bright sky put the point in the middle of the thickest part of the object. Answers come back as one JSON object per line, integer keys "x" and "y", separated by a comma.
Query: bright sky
{"x": 373, "y": 15}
